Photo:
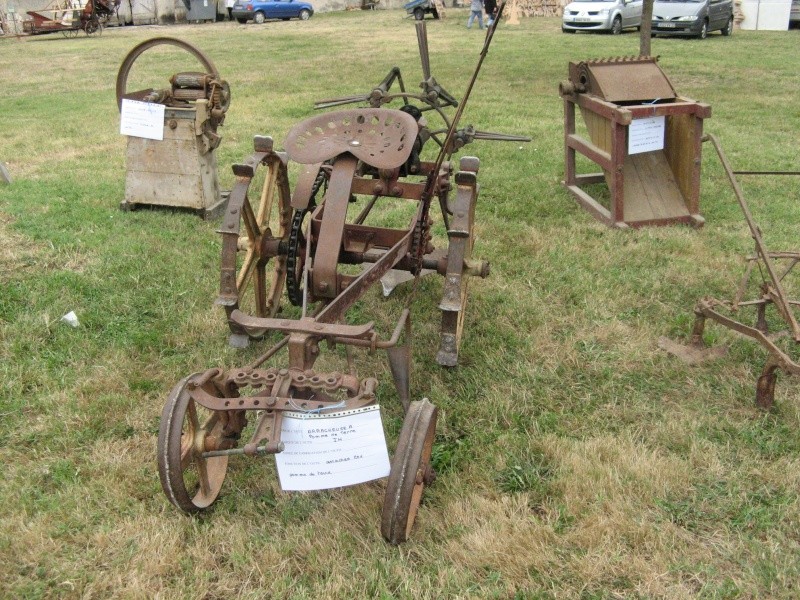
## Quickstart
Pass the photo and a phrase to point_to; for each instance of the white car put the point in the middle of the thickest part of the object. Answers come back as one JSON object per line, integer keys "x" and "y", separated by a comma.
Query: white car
{"x": 601, "y": 15}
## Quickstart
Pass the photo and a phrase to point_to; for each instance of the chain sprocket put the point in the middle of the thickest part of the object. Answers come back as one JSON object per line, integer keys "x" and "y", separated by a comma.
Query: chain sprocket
{"x": 296, "y": 254}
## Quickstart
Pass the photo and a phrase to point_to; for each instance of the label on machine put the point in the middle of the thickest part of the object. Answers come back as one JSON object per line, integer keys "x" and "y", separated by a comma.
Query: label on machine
{"x": 324, "y": 451}
{"x": 142, "y": 119}
{"x": 646, "y": 135}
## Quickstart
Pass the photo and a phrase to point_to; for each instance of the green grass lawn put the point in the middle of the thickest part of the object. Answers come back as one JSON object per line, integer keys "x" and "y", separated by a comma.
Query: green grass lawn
{"x": 575, "y": 458}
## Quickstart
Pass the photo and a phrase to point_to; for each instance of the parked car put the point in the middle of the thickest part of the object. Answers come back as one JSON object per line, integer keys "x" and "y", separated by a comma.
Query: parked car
{"x": 418, "y": 8}
{"x": 692, "y": 18}
{"x": 261, "y": 10}
{"x": 601, "y": 15}
{"x": 794, "y": 15}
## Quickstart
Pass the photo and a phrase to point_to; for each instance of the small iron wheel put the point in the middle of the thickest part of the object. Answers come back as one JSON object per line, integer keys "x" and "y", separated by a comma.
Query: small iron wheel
{"x": 254, "y": 241}
{"x": 190, "y": 482}
{"x": 93, "y": 27}
{"x": 410, "y": 473}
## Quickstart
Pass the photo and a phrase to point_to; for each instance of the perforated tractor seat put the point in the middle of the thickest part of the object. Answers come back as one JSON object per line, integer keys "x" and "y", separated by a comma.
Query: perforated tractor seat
{"x": 381, "y": 137}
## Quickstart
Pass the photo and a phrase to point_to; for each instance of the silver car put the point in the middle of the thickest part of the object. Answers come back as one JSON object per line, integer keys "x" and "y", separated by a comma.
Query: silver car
{"x": 601, "y": 15}
{"x": 692, "y": 18}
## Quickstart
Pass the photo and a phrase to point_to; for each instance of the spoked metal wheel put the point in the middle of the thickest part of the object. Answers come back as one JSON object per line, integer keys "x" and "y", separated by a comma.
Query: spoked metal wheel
{"x": 255, "y": 237}
{"x": 460, "y": 266}
{"x": 70, "y": 33}
{"x": 411, "y": 472}
{"x": 94, "y": 27}
{"x": 189, "y": 481}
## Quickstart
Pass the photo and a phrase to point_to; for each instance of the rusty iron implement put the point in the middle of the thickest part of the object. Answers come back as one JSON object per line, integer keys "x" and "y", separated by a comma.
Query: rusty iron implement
{"x": 327, "y": 253}
{"x": 772, "y": 293}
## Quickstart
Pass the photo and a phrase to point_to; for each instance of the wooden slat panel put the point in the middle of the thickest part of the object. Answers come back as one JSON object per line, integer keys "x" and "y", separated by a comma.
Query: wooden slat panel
{"x": 651, "y": 191}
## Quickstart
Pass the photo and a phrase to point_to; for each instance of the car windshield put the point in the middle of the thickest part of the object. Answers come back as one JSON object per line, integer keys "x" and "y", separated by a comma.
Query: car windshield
{"x": 681, "y": 1}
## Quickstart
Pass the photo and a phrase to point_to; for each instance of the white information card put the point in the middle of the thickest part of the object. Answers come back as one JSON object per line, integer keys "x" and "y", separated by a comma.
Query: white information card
{"x": 646, "y": 135}
{"x": 142, "y": 119}
{"x": 332, "y": 450}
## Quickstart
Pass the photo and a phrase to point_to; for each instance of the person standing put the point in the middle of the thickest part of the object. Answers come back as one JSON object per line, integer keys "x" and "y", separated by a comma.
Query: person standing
{"x": 475, "y": 10}
{"x": 229, "y": 5}
{"x": 491, "y": 11}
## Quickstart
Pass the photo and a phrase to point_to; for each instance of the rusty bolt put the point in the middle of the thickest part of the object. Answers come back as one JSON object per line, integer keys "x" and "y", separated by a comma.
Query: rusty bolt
{"x": 173, "y": 124}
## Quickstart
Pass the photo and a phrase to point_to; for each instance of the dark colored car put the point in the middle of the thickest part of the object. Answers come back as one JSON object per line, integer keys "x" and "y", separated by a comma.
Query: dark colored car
{"x": 261, "y": 10}
{"x": 692, "y": 18}
{"x": 418, "y": 8}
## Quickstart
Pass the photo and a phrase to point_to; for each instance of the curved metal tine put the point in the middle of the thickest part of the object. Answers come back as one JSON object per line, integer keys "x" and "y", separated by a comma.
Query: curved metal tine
{"x": 422, "y": 40}
{"x": 331, "y": 102}
{"x": 500, "y": 137}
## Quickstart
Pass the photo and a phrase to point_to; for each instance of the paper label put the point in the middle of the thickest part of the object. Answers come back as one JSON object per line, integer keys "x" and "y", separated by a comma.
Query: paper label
{"x": 646, "y": 135}
{"x": 332, "y": 450}
{"x": 142, "y": 119}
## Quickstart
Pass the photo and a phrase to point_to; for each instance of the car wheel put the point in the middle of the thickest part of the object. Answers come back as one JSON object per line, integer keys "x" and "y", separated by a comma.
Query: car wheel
{"x": 435, "y": 13}
{"x": 616, "y": 26}
{"x": 419, "y": 14}
{"x": 305, "y": 15}
{"x": 729, "y": 27}
{"x": 241, "y": 21}
{"x": 259, "y": 17}
{"x": 703, "y": 31}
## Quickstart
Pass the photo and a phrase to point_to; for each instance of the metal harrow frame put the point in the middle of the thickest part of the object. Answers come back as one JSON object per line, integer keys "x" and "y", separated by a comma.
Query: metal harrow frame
{"x": 772, "y": 294}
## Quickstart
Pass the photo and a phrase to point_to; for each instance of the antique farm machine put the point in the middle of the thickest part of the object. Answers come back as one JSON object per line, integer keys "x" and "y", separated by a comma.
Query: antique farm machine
{"x": 317, "y": 242}
{"x": 71, "y": 17}
{"x": 773, "y": 294}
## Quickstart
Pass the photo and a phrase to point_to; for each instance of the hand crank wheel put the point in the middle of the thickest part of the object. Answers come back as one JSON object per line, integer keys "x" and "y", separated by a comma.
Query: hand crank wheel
{"x": 189, "y": 481}
{"x": 127, "y": 64}
{"x": 410, "y": 473}
{"x": 255, "y": 239}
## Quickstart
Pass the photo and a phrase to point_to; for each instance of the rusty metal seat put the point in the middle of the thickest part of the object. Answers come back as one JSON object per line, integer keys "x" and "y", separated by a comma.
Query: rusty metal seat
{"x": 381, "y": 137}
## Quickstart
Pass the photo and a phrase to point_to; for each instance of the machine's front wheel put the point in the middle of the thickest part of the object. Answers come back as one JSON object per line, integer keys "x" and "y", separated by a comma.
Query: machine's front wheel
{"x": 190, "y": 482}
{"x": 411, "y": 472}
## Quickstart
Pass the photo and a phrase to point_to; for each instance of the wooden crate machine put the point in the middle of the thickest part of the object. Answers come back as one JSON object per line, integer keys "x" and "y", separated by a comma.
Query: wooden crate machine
{"x": 645, "y": 137}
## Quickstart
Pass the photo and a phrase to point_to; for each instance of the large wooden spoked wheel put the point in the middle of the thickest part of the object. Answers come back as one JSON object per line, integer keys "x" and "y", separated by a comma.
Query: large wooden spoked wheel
{"x": 410, "y": 473}
{"x": 255, "y": 238}
{"x": 459, "y": 262}
{"x": 190, "y": 482}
